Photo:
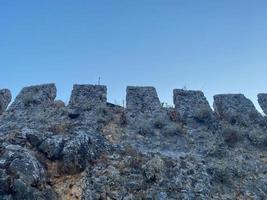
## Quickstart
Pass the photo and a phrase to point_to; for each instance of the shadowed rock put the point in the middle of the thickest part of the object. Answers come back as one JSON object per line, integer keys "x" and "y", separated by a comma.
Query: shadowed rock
{"x": 88, "y": 96}
{"x": 35, "y": 95}
{"x": 262, "y": 99}
{"x": 27, "y": 175}
{"x": 5, "y": 98}
{"x": 142, "y": 99}
{"x": 235, "y": 108}
{"x": 189, "y": 103}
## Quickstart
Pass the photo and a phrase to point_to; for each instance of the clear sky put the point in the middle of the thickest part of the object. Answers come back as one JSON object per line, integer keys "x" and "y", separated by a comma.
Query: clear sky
{"x": 218, "y": 46}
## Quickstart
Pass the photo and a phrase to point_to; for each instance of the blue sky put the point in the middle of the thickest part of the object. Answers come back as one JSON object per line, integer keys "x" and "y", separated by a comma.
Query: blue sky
{"x": 215, "y": 46}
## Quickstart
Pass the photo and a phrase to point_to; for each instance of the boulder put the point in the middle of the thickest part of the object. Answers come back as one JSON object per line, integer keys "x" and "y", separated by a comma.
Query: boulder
{"x": 24, "y": 165}
{"x": 235, "y": 108}
{"x": 262, "y": 99}
{"x": 52, "y": 147}
{"x": 142, "y": 99}
{"x": 87, "y": 97}
{"x": 191, "y": 104}
{"x": 4, "y": 182}
{"x": 80, "y": 149}
{"x": 75, "y": 154}
{"x": 36, "y": 137}
{"x": 153, "y": 169}
{"x": 5, "y": 98}
{"x": 22, "y": 176}
{"x": 35, "y": 95}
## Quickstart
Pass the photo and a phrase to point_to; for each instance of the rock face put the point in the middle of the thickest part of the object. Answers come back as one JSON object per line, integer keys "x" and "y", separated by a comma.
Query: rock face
{"x": 88, "y": 96}
{"x": 5, "y": 98}
{"x": 235, "y": 108}
{"x": 35, "y": 95}
{"x": 142, "y": 99}
{"x": 23, "y": 175}
{"x": 191, "y": 104}
{"x": 101, "y": 151}
{"x": 262, "y": 99}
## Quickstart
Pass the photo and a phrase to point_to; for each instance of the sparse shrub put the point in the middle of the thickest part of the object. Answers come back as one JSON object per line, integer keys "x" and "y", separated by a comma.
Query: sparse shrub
{"x": 230, "y": 135}
{"x": 203, "y": 115}
{"x": 165, "y": 105}
{"x": 59, "y": 128}
{"x": 103, "y": 115}
{"x": 153, "y": 169}
{"x": 173, "y": 129}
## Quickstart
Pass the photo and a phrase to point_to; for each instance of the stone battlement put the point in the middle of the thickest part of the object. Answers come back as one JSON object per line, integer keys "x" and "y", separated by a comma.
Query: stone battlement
{"x": 188, "y": 103}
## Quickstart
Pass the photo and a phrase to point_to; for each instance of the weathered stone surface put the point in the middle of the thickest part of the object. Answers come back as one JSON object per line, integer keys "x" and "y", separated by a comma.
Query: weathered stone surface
{"x": 262, "y": 99}
{"x": 153, "y": 169}
{"x": 24, "y": 165}
{"x": 115, "y": 153}
{"x": 142, "y": 99}
{"x": 36, "y": 137}
{"x": 80, "y": 149}
{"x": 35, "y": 95}
{"x": 5, "y": 98}
{"x": 23, "y": 176}
{"x": 87, "y": 97}
{"x": 52, "y": 147}
{"x": 235, "y": 108}
{"x": 189, "y": 103}
{"x": 4, "y": 182}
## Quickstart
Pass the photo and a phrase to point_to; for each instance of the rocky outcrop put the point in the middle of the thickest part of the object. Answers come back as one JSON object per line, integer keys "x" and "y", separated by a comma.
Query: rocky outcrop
{"x": 87, "y": 97}
{"x": 35, "y": 96}
{"x": 142, "y": 99}
{"x": 235, "y": 108}
{"x": 5, "y": 98}
{"x": 191, "y": 104}
{"x": 262, "y": 99}
{"x": 22, "y": 175}
{"x": 145, "y": 151}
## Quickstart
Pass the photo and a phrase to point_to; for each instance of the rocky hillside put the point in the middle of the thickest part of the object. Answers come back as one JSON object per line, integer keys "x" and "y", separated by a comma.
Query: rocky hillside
{"x": 94, "y": 150}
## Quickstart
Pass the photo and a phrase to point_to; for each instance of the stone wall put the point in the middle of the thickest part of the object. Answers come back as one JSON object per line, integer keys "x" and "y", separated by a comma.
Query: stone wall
{"x": 262, "y": 99}
{"x": 188, "y": 103}
{"x": 142, "y": 99}
{"x": 88, "y": 96}
{"x": 38, "y": 95}
{"x": 235, "y": 108}
{"x": 5, "y": 98}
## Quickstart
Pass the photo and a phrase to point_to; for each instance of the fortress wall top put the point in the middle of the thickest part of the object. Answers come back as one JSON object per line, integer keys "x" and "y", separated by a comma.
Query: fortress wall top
{"x": 142, "y": 99}
{"x": 190, "y": 103}
{"x": 235, "y": 107}
{"x": 35, "y": 95}
{"x": 5, "y": 98}
{"x": 262, "y": 99}
{"x": 88, "y": 96}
